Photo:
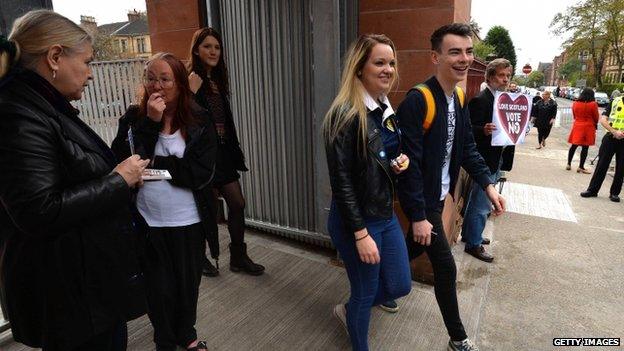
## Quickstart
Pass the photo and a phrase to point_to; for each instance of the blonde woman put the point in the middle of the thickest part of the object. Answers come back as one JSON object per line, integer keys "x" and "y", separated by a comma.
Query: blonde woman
{"x": 363, "y": 146}
{"x": 69, "y": 272}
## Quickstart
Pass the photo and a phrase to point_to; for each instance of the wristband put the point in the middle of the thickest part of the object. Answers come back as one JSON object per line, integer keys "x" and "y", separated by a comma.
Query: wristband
{"x": 362, "y": 237}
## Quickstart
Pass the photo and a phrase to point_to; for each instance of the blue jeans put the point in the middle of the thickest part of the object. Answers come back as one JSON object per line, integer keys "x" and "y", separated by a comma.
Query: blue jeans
{"x": 371, "y": 284}
{"x": 477, "y": 210}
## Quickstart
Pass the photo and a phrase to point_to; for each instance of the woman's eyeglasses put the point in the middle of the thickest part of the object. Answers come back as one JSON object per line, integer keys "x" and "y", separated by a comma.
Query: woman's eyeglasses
{"x": 164, "y": 82}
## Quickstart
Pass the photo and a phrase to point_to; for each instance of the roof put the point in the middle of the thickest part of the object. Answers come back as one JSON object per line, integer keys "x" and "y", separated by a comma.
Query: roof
{"x": 543, "y": 66}
{"x": 110, "y": 27}
{"x": 137, "y": 27}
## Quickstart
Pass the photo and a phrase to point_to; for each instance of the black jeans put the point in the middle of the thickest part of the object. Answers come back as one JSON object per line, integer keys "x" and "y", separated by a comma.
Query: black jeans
{"x": 444, "y": 271}
{"x": 174, "y": 257}
{"x": 609, "y": 147}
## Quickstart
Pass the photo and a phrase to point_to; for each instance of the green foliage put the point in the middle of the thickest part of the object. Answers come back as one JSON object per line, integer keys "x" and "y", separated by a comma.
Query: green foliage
{"x": 482, "y": 50}
{"x": 520, "y": 80}
{"x": 608, "y": 88}
{"x": 535, "y": 79}
{"x": 595, "y": 26}
{"x": 498, "y": 37}
{"x": 104, "y": 48}
{"x": 570, "y": 67}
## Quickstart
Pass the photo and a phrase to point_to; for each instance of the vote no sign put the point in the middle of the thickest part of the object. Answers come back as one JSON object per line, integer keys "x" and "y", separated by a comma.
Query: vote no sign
{"x": 511, "y": 117}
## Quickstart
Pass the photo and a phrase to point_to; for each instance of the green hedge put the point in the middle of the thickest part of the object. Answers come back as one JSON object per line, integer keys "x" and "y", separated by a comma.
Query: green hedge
{"x": 608, "y": 88}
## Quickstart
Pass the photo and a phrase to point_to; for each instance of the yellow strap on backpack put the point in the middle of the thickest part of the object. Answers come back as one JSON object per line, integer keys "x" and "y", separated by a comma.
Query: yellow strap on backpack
{"x": 430, "y": 104}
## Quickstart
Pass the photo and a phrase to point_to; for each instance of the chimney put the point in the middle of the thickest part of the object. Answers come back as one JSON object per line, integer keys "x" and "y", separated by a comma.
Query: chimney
{"x": 88, "y": 23}
{"x": 134, "y": 15}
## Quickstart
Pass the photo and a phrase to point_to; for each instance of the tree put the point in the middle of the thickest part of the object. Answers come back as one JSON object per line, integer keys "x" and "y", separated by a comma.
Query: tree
{"x": 593, "y": 29}
{"x": 104, "y": 47}
{"x": 520, "y": 80}
{"x": 535, "y": 79}
{"x": 571, "y": 67}
{"x": 475, "y": 26}
{"x": 615, "y": 31}
{"x": 498, "y": 37}
{"x": 482, "y": 50}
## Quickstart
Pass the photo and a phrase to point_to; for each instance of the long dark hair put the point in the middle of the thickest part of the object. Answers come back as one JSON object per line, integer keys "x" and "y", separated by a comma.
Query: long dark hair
{"x": 219, "y": 73}
{"x": 184, "y": 116}
{"x": 586, "y": 95}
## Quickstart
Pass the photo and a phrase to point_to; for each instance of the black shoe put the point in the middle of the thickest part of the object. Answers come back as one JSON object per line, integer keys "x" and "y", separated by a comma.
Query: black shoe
{"x": 208, "y": 269}
{"x": 239, "y": 261}
{"x": 390, "y": 306}
{"x": 588, "y": 194}
{"x": 480, "y": 253}
{"x": 614, "y": 198}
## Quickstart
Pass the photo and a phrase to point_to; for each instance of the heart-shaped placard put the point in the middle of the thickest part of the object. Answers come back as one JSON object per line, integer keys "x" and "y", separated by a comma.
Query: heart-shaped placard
{"x": 513, "y": 115}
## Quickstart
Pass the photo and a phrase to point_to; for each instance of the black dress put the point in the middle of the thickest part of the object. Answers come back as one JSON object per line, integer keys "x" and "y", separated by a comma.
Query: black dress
{"x": 230, "y": 159}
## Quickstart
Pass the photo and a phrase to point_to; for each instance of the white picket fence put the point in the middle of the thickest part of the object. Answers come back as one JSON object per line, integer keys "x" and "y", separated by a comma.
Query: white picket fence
{"x": 114, "y": 87}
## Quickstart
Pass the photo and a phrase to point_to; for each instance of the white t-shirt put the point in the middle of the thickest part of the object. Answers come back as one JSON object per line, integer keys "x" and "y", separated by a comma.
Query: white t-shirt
{"x": 446, "y": 177}
{"x": 161, "y": 203}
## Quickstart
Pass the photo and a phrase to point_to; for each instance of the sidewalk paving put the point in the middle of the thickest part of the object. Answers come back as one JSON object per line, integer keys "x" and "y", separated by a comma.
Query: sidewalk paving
{"x": 550, "y": 278}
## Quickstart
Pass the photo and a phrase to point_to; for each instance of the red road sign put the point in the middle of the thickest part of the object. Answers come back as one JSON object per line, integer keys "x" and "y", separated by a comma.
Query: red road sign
{"x": 527, "y": 69}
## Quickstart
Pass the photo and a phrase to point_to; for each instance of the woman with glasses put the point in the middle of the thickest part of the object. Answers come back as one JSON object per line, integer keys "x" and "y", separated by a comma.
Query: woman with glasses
{"x": 362, "y": 142}
{"x": 209, "y": 82}
{"x": 178, "y": 137}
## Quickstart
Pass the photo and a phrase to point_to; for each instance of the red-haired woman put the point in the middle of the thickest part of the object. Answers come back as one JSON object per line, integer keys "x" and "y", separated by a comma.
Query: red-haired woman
{"x": 178, "y": 136}
{"x": 209, "y": 82}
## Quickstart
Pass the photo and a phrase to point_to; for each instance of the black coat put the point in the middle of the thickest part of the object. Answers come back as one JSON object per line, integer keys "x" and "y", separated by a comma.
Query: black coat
{"x": 233, "y": 143}
{"x": 362, "y": 186}
{"x": 481, "y": 108}
{"x": 420, "y": 185}
{"x": 194, "y": 171}
{"x": 69, "y": 270}
{"x": 544, "y": 112}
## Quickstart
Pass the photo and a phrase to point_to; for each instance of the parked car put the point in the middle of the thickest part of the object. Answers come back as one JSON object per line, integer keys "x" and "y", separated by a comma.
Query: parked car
{"x": 570, "y": 93}
{"x": 602, "y": 99}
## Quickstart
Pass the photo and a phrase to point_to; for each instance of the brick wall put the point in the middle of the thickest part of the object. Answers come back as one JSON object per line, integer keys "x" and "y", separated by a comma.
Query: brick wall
{"x": 409, "y": 23}
{"x": 172, "y": 24}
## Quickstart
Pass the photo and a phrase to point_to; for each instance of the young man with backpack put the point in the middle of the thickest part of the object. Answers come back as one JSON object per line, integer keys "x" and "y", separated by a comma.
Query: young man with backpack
{"x": 437, "y": 138}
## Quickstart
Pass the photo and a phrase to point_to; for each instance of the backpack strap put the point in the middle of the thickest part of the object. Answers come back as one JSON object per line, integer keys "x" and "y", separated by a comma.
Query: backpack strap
{"x": 430, "y": 109}
{"x": 461, "y": 95}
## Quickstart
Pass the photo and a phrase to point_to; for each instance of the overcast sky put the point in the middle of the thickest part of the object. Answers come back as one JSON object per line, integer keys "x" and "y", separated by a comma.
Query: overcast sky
{"x": 104, "y": 11}
{"x": 527, "y": 21}
{"x": 528, "y": 24}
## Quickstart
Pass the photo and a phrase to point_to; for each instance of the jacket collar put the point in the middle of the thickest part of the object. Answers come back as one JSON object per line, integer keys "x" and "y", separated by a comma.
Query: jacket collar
{"x": 385, "y": 106}
{"x": 44, "y": 97}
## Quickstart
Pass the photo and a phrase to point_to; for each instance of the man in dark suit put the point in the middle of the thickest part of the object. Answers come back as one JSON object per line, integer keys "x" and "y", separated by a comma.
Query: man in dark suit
{"x": 497, "y": 76}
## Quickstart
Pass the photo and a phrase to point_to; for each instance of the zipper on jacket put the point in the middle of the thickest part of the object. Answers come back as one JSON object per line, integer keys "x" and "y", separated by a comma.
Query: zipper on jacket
{"x": 381, "y": 165}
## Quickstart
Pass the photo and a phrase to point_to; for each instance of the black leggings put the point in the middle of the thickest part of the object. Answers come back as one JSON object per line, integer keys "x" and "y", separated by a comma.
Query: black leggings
{"x": 584, "y": 150}
{"x": 444, "y": 273}
{"x": 235, "y": 201}
{"x": 543, "y": 133}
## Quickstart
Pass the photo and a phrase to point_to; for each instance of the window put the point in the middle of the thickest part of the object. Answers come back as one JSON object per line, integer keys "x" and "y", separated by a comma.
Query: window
{"x": 124, "y": 45}
{"x": 141, "y": 45}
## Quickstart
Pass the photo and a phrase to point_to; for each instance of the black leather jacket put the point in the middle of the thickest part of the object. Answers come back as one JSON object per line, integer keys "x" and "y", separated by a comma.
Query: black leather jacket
{"x": 69, "y": 269}
{"x": 362, "y": 186}
{"x": 194, "y": 171}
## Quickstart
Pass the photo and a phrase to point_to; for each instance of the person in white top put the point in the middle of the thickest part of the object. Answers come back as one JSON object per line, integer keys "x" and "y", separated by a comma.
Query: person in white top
{"x": 179, "y": 137}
